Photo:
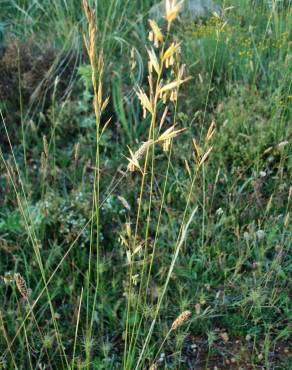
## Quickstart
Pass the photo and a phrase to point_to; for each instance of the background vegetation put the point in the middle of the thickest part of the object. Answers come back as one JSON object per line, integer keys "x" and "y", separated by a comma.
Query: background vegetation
{"x": 97, "y": 262}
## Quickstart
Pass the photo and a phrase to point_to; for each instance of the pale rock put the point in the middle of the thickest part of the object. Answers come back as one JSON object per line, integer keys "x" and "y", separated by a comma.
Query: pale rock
{"x": 193, "y": 10}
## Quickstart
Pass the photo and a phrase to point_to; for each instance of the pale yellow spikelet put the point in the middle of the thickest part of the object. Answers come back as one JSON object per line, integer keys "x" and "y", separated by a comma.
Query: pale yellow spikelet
{"x": 76, "y": 151}
{"x": 43, "y": 161}
{"x": 90, "y": 44}
{"x": 205, "y": 156}
{"x": 169, "y": 134}
{"x": 21, "y": 285}
{"x": 210, "y": 132}
{"x": 173, "y": 96}
{"x": 188, "y": 168}
{"x": 141, "y": 151}
{"x": 145, "y": 102}
{"x": 166, "y": 145}
{"x": 171, "y": 50}
{"x": 169, "y": 62}
{"x": 172, "y": 8}
{"x": 153, "y": 367}
{"x": 46, "y": 146}
{"x": 128, "y": 229}
{"x": 156, "y": 30}
{"x": 100, "y": 68}
{"x": 153, "y": 61}
{"x": 155, "y": 34}
{"x": 163, "y": 97}
{"x": 184, "y": 316}
{"x": 163, "y": 117}
{"x": 97, "y": 63}
{"x": 151, "y": 36}
{"x": 135, "y": 157}
{"x": 173, "y": 85}
{"x": 198, "y": 149}
{"x": 124, "y": 202}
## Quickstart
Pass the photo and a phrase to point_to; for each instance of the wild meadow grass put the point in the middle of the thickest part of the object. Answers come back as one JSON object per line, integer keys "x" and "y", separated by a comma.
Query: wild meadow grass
{"x": 145, "y": 186}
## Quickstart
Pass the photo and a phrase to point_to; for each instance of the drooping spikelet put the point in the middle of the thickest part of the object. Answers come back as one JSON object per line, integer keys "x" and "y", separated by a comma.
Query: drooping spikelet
{"x": 184, "y": 316}
{"x": 144, "y": 100}
{"x": 21, "y": 285}
{"x": 155, "y": 35}
{"x": 172, "y": 8}
{"x": 134, "y": 160}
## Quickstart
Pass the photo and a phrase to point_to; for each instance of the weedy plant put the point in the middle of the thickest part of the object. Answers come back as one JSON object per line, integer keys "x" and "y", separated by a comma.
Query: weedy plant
{"x": 165, "y": 77}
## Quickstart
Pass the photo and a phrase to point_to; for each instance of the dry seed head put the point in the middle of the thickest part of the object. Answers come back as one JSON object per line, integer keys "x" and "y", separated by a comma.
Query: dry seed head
{"x": 134, "y": 160}
{"x": 269, "y": 204}
{"x": 156, "y": 33}
{"x": 43, "y": 161}
{"x": 76, "y": 151}
{"x": 21, "y": 285}
{"x": 163, "y": 117}
{"x": 173, "y": 85}
{"x": 150, "y": 82}
{"x": 188, "y": 168}
{"x": 87, "y": 9}
{"x": 90, "y": 44}
{"x": 100, "y": 78}
{"x": 211, "y": 131}
{"x": 166, "y": 145}
{"x": 124, "y": 202}
{"x": 141, "y": 151}
{"x": 169, "y": 62}
{"x": 170, "y": 133}
{"x": 145, "y": 102}
{"x": 169, "y": 53}
{"x": 164, "y": 98}
{"x": 123, "y": 241}
{"x": 172, "y": 8}
{"x": 197, "y": 147}
{"x": 205, "y": 156}
{"x": 151, "y": 36}
{"x": 181, "y": 319}
{"x": 153, "y": 367}
{"x": 155, "y": 42}
{"x": 129, "y": 257}
{"x": 128, "y": 230}
{"x": 173, "y": 96}
{"x": 46, "y": 146}
{"x": 153, "y": 61}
